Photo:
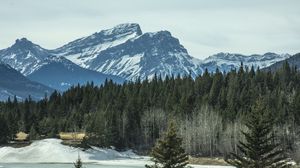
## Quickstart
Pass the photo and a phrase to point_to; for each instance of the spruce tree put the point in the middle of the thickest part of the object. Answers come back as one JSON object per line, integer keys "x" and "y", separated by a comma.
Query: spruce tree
{"x": 168, "y": 151}
{"x": 259, "y": 149}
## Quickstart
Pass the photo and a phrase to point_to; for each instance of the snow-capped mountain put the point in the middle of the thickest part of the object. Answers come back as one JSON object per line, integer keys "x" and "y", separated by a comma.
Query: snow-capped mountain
{"x": 126, "y": 52}
{"x": 293, "y": 61}
{"x": 227, "y": 61}
{"x": 40, "y": 65}
{"x": 146, "y": 55}
{"x": 24, "y": 56}
{"x": 14, "y": 83}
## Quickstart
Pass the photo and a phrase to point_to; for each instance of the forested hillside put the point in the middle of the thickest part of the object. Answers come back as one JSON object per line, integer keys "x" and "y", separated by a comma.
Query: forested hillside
{"x": 209, "y": 110}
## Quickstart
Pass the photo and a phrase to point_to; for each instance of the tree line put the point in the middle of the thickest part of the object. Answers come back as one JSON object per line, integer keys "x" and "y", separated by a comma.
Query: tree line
{"x": 209, "y": 110}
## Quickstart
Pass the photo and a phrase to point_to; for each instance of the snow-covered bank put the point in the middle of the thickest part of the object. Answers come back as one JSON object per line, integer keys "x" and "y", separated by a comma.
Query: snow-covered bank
{"x": 52, "y": 151}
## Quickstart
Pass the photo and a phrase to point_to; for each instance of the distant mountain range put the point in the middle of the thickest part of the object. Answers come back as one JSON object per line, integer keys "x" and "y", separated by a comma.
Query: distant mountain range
{"x": 227, "y": 61}
{"x": 121, "y": 53}
{"x": 293, "y": 61}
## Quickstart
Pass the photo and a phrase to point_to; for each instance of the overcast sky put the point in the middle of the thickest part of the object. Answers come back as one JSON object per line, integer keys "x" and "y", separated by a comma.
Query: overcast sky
{"x": 204, "y": 27}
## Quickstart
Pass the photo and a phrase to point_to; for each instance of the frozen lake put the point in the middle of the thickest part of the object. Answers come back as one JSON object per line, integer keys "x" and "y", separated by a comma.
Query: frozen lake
{"x": 37, "y": 165}
{"x": 19, "y": 165}
{"x": 28, "y": 165}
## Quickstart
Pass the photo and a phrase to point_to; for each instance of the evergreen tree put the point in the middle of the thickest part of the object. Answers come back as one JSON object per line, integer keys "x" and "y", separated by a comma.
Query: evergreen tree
{"x": 113, "y": 114}
{"x": 168, "y": 151}
{"x": 260, "y": 149}
{"x": 215, "y": 88}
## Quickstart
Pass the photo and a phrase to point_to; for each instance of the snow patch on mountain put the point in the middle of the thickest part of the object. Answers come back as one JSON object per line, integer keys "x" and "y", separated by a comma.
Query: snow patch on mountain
{"x": 128, "y": 66}
{"x": 83, "y": 50}
{"x": 87, "y": 54}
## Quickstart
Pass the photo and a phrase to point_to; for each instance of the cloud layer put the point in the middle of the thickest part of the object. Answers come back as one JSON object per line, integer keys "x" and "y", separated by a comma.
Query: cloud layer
{"x": 203, "y": 27}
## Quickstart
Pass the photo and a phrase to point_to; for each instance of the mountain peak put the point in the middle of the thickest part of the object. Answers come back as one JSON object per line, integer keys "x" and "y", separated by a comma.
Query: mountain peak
{"x": 163, "y": 33}
{"x": 24, "y": 56}
{"x": 23, "y": 42}
{"x": 127, "y": 25}
{"x": 125, "y": 28}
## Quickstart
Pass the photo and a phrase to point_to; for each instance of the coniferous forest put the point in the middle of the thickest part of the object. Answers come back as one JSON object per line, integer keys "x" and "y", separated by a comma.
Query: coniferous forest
{"x": 209, "y": 111}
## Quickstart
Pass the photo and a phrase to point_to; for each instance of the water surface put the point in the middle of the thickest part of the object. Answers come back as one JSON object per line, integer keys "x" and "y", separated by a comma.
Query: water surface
{"x": 28, "y": 165}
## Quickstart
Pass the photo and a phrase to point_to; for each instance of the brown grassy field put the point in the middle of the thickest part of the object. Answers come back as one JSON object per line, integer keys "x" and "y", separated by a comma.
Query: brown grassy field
{"x": 207, "y": 161}
{"x": 77, "y": 136}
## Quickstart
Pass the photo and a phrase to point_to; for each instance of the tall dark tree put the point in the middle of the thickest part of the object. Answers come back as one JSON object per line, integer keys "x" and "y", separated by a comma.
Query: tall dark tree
{"x": 168, "y": 151}
{"x": 260, "y": 149}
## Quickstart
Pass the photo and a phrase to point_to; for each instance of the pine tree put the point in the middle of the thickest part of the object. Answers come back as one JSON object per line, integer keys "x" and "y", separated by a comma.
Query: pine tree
{"x": 259, "y": 150}
{"x": 168, "y": 151}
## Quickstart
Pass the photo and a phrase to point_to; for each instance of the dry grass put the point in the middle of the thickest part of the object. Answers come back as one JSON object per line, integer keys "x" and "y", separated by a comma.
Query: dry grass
{"x": 77, "y": 136}
{"x": 207, "y": 161}
{"x": 21, "y": 136}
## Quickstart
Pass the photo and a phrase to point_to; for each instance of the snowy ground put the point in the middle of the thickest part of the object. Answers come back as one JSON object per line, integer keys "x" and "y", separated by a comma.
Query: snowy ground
{"x": 52, "y": 151}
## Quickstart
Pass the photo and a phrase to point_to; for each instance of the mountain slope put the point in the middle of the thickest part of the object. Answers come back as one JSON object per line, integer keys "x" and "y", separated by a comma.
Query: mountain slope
{"x": 293, "y": 61}
{"x": 14, "y": 83}
{"x": 227, "y": 61}
{"x": 60, "y": 73}
{"x": 41, "y": 66}
{"x": 146, "y": 55}
{"x": 83, "y": 50}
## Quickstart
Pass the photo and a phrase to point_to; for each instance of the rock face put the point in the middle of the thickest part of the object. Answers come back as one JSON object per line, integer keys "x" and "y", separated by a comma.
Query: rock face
{"x": 14, "y": 83}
